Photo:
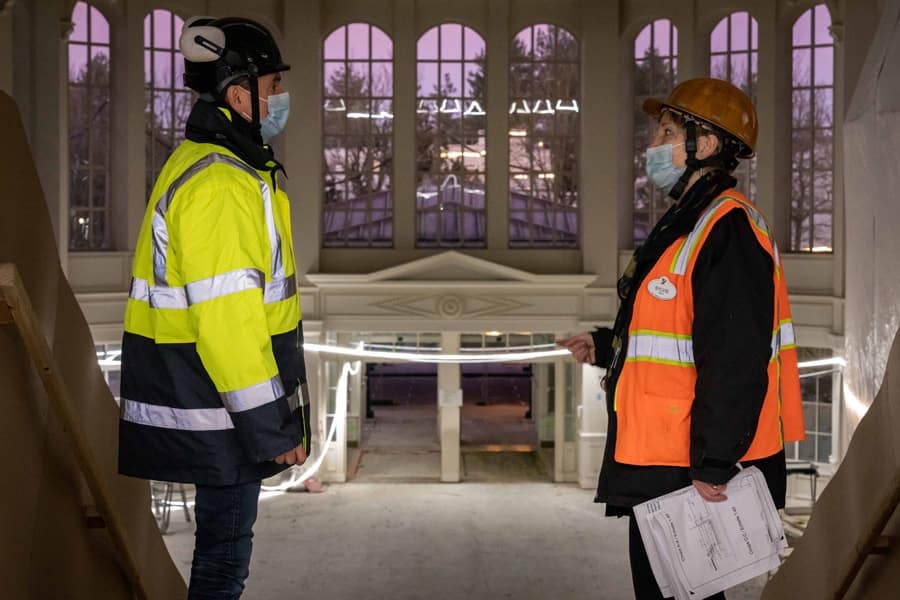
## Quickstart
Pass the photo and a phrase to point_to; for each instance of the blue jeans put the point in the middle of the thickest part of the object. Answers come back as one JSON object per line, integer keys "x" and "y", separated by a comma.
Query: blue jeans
{"x": 223, "y": 540}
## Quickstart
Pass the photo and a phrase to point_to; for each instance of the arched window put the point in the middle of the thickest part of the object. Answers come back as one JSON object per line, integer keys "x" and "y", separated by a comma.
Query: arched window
{"x": 655, "y": 73}
{"x": 358, "y": 125}
{"x": 734, "y": 57}
{"x": 543, "y": 138}
{"x": 450, "y": 138}
{"x": 167, "y": 101}
{"x": 812, "y": 141}
{"x": 90, "y": 212}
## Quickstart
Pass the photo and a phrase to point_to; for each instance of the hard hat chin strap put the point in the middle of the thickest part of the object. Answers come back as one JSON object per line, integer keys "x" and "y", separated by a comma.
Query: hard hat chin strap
{"x": 254, "y": 93}
{"x": 721, "y": 160}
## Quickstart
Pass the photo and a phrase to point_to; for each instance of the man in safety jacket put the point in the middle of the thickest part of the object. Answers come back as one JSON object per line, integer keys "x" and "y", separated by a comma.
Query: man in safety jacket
{"x": 701, "y": 364}
{"x": 212, "y": 355}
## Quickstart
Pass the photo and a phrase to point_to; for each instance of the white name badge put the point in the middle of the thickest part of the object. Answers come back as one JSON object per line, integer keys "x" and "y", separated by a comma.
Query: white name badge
{"x": 662, "y": 289}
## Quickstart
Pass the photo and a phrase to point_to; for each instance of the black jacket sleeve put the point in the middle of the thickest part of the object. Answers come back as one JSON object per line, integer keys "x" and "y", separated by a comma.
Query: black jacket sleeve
{"x": 603, "y": 350}
{"x": 732, "y": 335}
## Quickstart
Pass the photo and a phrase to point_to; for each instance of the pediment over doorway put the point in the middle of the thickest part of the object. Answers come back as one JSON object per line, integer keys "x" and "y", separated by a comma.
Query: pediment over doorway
{"x": 446, "y": 266}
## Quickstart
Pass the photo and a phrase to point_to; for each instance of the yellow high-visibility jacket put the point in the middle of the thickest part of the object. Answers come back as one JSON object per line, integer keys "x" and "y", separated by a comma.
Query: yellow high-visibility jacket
{"x": 212, "y": 349}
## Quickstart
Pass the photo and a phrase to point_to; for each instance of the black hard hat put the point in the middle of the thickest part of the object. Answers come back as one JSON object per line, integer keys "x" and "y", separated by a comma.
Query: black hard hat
{"x": 219, "y": 52}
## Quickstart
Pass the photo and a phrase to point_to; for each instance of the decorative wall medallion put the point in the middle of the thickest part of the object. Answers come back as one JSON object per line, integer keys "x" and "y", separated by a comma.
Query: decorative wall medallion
{"x": 450, "y": 307}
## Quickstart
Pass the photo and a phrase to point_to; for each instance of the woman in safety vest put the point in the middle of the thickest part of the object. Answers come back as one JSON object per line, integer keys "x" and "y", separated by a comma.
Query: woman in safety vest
{"x": 212, "y": 356}
{"x": 701, "y": 363}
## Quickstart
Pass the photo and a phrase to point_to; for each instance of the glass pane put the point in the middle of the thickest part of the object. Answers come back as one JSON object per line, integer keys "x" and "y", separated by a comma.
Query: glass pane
{"x": 803, "y": 29}
{"x": 78, "y": 63}
{"x": 740, "y": 70}
{"x": 802, "y": 67}
{"x": 823, "y": 22}
{"x": 427, "y": 79}
{"x": 358, "y": 40}
{"x": 662, "y": 40}
{"x": 566, "y": 45}
{"x": 718, "y": 66}
{"x": 335, "y": 44}
{"x": 358, "y": 82}
{"x": 79, "y": 23}
{"x": 427, "y": 47}
{"x": 334, "y": 78}
{"x": 824, "y": 66}
{"x": 740, "y": 31}
{"x": 162, "y": 29}
{"x": 807, "y": 449}
{"x": 382, "y": 47}
{"x": 162, "y": 68}
{"x": 824, "y": 107}
{"x": 474, "y": 45}
{"x": 642, "y": 42}
{"x": 521, "y": 47}
{"x": 824, "y": 448}
{"x": 382, "y": 79}
{"x": 451, "y": 42}
{"x": 718, "y": 39}
{"x": 451, "y": 79}
{"x": 99, "y": 27}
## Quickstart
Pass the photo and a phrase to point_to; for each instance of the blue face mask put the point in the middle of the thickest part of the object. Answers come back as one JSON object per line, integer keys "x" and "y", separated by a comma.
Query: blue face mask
{"x": 660, "y": 168}
{"x": 275, "y": 121}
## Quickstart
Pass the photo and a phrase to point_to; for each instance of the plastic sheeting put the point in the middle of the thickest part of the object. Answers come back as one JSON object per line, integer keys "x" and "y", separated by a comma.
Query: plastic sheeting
{"x": 872, "y": 181}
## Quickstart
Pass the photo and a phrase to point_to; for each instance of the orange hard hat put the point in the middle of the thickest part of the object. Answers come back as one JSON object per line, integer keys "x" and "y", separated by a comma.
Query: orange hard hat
{"x": 715, "y": 102}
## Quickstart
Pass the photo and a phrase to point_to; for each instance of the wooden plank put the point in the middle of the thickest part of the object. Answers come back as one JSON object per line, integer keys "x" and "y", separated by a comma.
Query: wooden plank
{"x": 15, "y": 297}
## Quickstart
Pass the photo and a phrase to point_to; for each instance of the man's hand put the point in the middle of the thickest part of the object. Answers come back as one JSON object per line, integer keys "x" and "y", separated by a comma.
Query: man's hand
{"x": 710, "y": 492}
{"x": 581, "y": 346}
{"x": 297, "y": 456}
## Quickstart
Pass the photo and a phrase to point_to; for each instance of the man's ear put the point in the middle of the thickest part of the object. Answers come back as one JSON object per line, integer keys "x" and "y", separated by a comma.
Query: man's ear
{"x": 233, "y": 98}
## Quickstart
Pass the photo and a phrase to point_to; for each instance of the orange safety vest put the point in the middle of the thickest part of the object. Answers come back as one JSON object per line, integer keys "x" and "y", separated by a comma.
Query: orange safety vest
{"x": 655, "y": 390}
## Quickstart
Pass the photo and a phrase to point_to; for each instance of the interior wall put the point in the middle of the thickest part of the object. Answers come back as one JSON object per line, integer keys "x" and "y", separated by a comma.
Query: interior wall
{"x": 872, "y": 137}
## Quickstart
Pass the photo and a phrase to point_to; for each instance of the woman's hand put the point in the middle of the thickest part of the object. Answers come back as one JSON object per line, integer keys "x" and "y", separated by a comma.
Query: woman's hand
{"x": 581, "y": 346}
{"x": 711, "y": 492}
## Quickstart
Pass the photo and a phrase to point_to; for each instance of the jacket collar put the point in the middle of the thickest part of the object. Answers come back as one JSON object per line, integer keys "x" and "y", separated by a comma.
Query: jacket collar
{"x": 209, "y": 123}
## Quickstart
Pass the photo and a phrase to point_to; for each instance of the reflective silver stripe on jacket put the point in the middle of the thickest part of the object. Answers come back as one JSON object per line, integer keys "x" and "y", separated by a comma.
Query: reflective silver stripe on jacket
{"x": 184, "y": 419}
{"x": 253, "y": 396}
{"x": 161, "y": 232}
{"x": 281, "y": 289}
{"x": 660, "y": 348}
{"x": 688, "y": 247}
{"x": 224, "y": 284}
{"x": 211, "y": 288}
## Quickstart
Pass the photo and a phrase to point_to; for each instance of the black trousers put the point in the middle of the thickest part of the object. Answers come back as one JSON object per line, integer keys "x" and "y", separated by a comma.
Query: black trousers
{"x": 642, "y": 578}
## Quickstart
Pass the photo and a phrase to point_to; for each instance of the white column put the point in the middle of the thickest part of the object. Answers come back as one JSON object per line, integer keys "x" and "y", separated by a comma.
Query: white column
{"x": 497, "y": 182}
{"x": 449, "y": 406}
{"x": 593, "y": 423}
{"x": 605, "y": 167}
{"x": 302, "y": 49}
{"x": 559, "y": 424}
{"x": 128, "y": 156}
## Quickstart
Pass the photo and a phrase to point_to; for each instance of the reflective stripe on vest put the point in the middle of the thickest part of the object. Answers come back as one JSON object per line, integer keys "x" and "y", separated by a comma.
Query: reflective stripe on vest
{"x": 660, "y": 348}
{"x": 689, "y": 245}
{"x": 161, "y": 230}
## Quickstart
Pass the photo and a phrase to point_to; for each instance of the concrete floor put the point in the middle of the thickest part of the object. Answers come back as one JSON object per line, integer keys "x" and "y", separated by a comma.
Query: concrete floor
{"x": 472, "y": 541}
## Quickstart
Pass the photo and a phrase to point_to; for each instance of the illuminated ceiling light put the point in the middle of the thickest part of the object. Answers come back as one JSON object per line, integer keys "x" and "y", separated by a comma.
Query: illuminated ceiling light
{"x": 383, "y": 115}
{"x": 492, "y": 333}
{"x": 426, "y": 106}
{"x": 475, "y": 112}
{"x": 331, "y": 106}
{"x": 543, "y": 111}
{"x": 825, "y": 362}
{"x": 547, "y": 176}
{"x": 520, "y": 176}
{"x": 358, "y": 115}
{"x": 572, "y": 106}
{"x": 517, "y": 133}
{"x": 457, "y": 107}
{"x": 523, "y": 110}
